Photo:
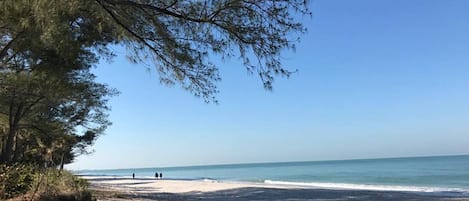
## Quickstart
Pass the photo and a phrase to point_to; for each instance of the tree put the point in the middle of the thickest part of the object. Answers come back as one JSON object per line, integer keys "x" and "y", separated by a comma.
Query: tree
{"x": 51, "y": 107}
{"x": 49, "y": 101}
{"x": 50, "y": 115}
{"x": 178, "y": 36}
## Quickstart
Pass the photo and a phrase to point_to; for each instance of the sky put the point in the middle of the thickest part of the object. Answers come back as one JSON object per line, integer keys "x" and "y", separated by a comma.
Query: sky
{"x": 375, "y": 79}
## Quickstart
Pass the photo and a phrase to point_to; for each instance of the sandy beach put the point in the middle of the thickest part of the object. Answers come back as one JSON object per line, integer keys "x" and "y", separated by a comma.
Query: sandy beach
{"x": 142, "y": 189}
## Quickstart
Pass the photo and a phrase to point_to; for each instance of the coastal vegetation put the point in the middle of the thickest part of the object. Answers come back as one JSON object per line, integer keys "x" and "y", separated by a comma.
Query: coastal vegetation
{"x": 52, "y": 109}
{"x": 27, "y": 182}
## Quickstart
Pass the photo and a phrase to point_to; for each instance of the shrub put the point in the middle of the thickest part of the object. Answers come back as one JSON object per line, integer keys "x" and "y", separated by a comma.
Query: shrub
{"x": 15, "y": 180}
{"x": 41, "y": 184}
{"x": 62, "y": 185}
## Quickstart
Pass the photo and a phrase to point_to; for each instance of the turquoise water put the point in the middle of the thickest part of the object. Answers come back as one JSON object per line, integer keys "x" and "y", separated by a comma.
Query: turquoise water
{"x": 427, "y": 174}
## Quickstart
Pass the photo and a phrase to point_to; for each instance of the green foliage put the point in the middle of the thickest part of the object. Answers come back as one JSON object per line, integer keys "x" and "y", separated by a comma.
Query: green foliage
{"x": 177, "y": 36}
{"x": 46, "y": 184}
{"x": 55, "y": 117}
{"x": 15, "y": 180}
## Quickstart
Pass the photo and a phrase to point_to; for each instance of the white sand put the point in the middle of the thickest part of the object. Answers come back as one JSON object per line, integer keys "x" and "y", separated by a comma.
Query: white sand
{"x": 170, "y": 186}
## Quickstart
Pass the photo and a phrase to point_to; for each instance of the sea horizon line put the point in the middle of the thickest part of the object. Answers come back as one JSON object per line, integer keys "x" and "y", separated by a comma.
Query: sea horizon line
{"x": 271, "y": 162}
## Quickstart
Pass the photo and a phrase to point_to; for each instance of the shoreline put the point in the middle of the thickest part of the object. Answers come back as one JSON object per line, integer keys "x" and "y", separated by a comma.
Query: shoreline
{"x": 142, "y": 189}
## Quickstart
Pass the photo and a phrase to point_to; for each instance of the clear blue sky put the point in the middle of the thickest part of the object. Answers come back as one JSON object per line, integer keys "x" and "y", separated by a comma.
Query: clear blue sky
{"x": 376, "y": 79}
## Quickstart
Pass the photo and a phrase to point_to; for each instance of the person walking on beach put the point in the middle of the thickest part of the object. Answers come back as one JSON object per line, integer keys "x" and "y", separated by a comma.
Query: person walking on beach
{"x": 156, "y": 175}
{"x": 161, "y": 175}
{"x": 133, "y": 175}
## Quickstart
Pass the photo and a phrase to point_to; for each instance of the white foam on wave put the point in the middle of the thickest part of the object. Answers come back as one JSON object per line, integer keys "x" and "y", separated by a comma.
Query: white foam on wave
{"x": 370, "y": 187}
{"x": 209, "y": 180}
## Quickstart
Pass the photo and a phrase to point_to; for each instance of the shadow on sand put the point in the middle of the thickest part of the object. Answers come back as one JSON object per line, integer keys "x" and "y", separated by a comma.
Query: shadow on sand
{"x": 271, "y": 194}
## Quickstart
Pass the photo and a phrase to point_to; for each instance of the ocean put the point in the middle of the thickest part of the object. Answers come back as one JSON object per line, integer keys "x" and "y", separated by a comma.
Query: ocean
{"x": 448, "y": 174}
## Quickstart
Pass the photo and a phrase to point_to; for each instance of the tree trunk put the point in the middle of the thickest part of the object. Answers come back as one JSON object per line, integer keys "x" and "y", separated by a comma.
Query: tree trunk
{"x": 17, "y": 149}
{"x": 62, "y": 161}
{"x": 8, "y": 149}
{"x": 14, "y": 119}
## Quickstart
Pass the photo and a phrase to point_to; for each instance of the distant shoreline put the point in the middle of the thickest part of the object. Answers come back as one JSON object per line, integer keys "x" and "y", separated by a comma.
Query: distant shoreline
{"x": 153, "y": 189}
{"x": 273, "y": 162}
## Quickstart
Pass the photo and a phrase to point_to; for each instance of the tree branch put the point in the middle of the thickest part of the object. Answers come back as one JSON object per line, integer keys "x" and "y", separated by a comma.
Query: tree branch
{"x": 4, "y": 51}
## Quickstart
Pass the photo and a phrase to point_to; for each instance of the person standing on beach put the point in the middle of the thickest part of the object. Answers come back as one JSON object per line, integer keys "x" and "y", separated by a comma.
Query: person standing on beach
{"x": 161, "y": 175}
{"x": 156, "y": 175}
{"x": 133, "y": 175}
